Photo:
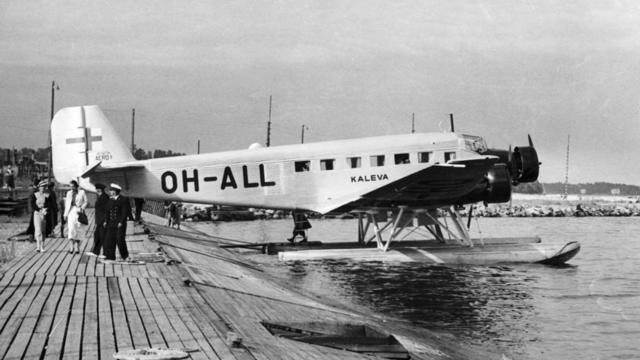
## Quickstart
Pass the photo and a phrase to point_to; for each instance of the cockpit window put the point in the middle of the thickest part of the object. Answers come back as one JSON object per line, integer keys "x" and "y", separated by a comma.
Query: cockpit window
{"x": 449, "y": 155}
{"x": 475, "y": 143}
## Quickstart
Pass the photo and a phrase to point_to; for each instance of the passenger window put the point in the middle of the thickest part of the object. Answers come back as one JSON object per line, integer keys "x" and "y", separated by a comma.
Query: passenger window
{"x": 302, "y": 166}
{"x": 354, "y": 162}
{"x": 326, "y": 164}
{"x": 424, "y": 157}
{"x": 377, "y": 160}
{"x": 449, "y": 155}
{"x": 401, "y": 158}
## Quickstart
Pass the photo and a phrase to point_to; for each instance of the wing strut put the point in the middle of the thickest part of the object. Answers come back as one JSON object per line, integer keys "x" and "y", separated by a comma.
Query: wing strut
{"x": 403, "y": 218}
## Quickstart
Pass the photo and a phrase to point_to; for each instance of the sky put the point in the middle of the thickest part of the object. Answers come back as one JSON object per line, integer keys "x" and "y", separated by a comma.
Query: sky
{"x": 204, "y": 70}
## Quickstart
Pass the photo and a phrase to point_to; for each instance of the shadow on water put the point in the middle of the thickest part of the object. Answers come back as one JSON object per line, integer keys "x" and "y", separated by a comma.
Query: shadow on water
{"x": 479, "y": 304}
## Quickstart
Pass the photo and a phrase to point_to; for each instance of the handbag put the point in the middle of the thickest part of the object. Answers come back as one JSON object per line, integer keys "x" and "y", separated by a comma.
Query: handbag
{"x": 82, "y": 218}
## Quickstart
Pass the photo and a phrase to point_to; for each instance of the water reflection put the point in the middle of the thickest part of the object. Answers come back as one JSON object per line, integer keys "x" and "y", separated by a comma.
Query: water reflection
{"x": 475, "y": 302}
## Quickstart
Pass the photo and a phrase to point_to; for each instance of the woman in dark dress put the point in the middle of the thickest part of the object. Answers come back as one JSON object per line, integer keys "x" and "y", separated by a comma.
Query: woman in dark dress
{"x": 52, "y": 212}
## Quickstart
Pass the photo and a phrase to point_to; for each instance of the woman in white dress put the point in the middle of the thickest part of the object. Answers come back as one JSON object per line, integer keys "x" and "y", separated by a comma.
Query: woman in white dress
{"x": 74, "y": 203}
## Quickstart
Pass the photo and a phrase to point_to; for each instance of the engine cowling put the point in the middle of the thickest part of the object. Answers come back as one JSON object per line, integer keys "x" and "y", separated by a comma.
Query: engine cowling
{"x": 498, "y": 188}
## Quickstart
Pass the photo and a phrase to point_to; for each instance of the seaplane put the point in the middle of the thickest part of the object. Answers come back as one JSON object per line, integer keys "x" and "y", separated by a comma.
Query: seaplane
{"x": 391, "y": 183}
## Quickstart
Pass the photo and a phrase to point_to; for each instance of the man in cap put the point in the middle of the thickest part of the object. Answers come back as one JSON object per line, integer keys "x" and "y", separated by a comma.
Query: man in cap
{"x": 101, "y": 220}
{"x": 118, "y": 210}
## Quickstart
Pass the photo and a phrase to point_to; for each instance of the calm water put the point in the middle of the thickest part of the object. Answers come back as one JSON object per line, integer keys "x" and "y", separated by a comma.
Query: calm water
{"x": 587, "y": 310}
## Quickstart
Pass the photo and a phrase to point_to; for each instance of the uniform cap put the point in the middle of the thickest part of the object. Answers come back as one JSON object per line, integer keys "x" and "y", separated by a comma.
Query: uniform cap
{"x": 99, "y": 186}
{"x": 115, "y": 187}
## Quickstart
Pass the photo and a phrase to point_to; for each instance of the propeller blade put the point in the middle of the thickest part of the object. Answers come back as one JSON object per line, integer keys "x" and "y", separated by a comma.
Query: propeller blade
{"x": 530, "y": 142}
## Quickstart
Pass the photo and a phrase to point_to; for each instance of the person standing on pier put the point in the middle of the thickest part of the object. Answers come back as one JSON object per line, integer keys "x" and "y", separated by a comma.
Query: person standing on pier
{"x": 75, "y": 202}
{"x": 139, "y": 202}
{"x": 9, "y": 178}
{"x": 101, "y": 220}
{"x": 30, "y": 228}
{"x": 118, "y": 210}
{"x": 52, "y": 212}
{"x": 300, "y": 226}
{"x": 39, "y": 205}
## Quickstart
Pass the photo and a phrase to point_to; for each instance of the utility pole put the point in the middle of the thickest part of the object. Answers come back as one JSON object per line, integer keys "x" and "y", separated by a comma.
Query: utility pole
{"x": 198, "y": 146}
{"x": 413, "y": 123}
{"x": 302, "y": 134}
{"x": 269, "y": 124}
{"x": 566, "y": 174}
{"x": 54, "y": 87}
{"x": 133, "y": 130}
{"x": 451, "y": 121}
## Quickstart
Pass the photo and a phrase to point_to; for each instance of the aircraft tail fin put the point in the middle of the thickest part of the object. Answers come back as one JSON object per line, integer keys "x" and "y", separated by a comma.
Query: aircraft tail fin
{"x": 81, "y": 137}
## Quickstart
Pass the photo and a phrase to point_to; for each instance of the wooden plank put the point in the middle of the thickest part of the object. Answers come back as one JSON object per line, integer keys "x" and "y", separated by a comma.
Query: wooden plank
{"x": 17, "y": 266}
{"x": 66, "y": 262}
{"x": 218, "y": 300}
{"x": 73, "y": 340}
{"x": 149, "y": 288}
{"x": 91, "y": 326}
{"x": 173, "y": 313}
{"x": 138, "y": 332}
{"x": 11, "y": 299}
{"x": 45, "y": 322}
{"x": 100, "y": 269}
{"x": 30, "y": 320}
{"x": 117, "y": 270}
{"x": 82, "y": 264}
{"x": 11, "y": 332}
{"x": 210, "y": 324}
{"x": 186, "y": 310}
{"x": 108, "y": 270}
{"x": 56, "y": 335}
{"x": 91, "y": 263}
{"x": 123, "y": 336}
{"x": 151, "y": 326}
{"x": 105, "y": 321}
{"x": 59, "y": 257}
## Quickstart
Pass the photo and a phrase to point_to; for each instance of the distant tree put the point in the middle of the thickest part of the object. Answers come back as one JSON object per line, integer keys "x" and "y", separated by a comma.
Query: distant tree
{"x": 140, "y": 154}
{"x": 164, "y": 153}
{"x": 529, "y": 188}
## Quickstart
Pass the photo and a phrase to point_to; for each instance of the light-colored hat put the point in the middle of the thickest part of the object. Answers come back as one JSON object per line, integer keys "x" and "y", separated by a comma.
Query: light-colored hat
{"x": 115, "y": 187}
{"x": 43, "y": 183}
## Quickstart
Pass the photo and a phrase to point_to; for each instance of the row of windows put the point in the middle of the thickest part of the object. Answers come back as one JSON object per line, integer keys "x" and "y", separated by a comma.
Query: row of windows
{"x": 374, "y": 161}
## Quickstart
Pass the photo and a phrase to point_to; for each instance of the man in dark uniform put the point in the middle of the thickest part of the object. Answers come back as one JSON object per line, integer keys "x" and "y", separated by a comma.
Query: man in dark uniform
{"x": 101, "y": 220}
{"x": 118, "y": 210}
{"x": 300, "y": 226}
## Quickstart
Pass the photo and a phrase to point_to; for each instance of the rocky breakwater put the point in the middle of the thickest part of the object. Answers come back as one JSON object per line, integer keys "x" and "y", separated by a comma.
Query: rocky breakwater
{"x": 556, "y": 210}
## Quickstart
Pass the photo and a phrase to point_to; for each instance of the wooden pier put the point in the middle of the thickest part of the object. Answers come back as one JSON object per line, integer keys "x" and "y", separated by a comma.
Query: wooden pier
{"x": 200, "y": 298}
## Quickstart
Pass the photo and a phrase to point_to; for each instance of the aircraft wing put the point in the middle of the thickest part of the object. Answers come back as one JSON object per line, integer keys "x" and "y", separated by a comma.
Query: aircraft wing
{"x": 437, "y": 185}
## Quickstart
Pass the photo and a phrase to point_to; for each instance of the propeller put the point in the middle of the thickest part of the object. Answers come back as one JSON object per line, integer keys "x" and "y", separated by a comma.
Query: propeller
{"x": 521, "y": 161}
